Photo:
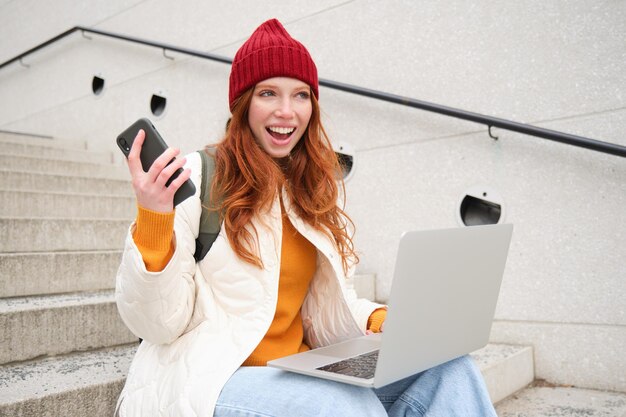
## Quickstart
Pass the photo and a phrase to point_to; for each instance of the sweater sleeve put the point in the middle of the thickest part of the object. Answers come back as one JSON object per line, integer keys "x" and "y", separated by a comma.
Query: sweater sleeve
{"x": 376, "y": 320}
{"x": 153, "y": 236}
{"x": 158, "y": 306}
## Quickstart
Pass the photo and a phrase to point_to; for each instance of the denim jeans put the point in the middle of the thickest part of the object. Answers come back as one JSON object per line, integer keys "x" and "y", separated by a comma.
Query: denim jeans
{"x": 455, "y": 388}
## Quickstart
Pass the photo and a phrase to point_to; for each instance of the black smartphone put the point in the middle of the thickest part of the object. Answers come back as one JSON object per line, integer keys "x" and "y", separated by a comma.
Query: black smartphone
{"x": 153, "y": 146}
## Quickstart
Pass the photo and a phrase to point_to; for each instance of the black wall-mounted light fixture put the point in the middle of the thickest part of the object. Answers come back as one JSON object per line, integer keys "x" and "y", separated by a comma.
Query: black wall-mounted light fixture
{"x": 480, "y": 205}
{"x": 346, "y": 156}
{"x": 158, "y": 103}
{"x": 97, "y": 84}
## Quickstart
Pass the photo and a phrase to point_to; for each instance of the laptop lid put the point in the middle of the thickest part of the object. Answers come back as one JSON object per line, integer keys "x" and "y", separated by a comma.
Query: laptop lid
{"x": 442, "y": 302}
{"x": 443, "y": 297}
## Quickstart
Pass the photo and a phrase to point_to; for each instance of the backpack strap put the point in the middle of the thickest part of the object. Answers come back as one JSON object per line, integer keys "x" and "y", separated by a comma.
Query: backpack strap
{"x": 209, "y": 220}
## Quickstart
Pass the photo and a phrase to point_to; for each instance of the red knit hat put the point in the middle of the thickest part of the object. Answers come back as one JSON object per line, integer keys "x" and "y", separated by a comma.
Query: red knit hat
{"x": 270, "y": 52}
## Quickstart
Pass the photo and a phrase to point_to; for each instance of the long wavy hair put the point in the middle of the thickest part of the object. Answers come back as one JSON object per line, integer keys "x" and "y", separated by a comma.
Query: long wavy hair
{"x": 247, "y": 179}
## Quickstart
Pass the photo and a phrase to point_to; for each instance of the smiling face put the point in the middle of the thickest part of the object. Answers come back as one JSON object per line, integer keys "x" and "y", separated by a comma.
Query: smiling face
{"x": 279, "y": 114}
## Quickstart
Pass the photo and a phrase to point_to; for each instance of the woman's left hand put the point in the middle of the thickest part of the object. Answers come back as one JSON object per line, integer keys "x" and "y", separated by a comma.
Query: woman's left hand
{"x": 150, "y": 187}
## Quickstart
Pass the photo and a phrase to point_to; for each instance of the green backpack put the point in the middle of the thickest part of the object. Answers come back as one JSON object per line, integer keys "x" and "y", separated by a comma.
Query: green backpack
{"x": 209, "y": 220}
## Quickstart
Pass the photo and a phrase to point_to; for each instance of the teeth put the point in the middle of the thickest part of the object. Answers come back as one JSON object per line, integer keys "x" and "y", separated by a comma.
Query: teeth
{"x": 282, "y": 130}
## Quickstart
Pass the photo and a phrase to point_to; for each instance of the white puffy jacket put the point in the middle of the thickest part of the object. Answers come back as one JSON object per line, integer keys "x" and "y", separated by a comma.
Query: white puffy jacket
{"x": 200, "y": 321}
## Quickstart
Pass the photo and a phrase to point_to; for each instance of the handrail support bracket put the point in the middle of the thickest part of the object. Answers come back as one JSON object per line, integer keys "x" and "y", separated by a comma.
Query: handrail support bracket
{"x": 166, "y": 55}
{"x": 491, "y": 134}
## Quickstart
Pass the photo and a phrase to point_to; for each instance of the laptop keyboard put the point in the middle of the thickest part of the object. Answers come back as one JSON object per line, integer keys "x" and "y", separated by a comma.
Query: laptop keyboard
{"x": 362, "y": 366}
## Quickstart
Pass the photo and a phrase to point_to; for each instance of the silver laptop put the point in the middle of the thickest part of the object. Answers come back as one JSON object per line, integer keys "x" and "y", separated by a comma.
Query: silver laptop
{"x": 442, "y": 302}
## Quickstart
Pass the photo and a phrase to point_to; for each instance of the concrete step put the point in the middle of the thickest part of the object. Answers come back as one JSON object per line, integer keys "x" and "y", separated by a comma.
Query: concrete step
{"x": 14, "y": 137}
{"x": 49, "y": 235}
{"x": 57, "y": 324}
{"x": 506, "y": 368}
{"x": 55, "y": 152}
{"x": 52, "y": 166}
{"x": 558, "y": 401}
{"x": 24, "y": 274}
{"x": 39, "y": 181}
{"x": 66, "y": 205}
{"x": 77, "y": 384}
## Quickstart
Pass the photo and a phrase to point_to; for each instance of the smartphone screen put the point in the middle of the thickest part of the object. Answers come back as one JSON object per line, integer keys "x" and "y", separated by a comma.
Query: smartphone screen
{"x": 153, "y": 146}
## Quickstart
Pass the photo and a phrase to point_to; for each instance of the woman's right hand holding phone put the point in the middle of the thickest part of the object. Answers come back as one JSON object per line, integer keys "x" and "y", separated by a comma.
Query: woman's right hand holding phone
{"x": 149, "y": 187}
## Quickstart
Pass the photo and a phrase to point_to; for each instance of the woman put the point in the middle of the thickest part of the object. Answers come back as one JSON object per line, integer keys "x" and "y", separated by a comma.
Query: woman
{"x": 274, "y": 281}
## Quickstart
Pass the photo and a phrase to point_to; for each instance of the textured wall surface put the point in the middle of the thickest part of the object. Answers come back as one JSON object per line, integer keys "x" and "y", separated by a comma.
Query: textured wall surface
{"x": 559, "y": 65}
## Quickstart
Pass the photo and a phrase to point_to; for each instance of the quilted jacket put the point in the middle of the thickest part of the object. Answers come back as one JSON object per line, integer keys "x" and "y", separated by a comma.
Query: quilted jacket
{"x": 200, "y": 321}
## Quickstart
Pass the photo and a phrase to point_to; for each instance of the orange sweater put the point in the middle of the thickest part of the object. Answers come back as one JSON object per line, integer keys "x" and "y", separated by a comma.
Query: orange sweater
{"x": 298, "y": 261}
{"x": 153, "y": 237}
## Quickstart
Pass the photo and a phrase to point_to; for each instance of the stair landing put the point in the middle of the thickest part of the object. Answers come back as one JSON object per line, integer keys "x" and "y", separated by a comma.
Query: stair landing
{"x": 545, "y": 400}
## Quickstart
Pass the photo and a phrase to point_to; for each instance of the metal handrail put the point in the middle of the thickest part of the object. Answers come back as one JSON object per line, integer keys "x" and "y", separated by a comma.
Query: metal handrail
{"x": 33, "y": 135}
{"x": 574, "y": 140}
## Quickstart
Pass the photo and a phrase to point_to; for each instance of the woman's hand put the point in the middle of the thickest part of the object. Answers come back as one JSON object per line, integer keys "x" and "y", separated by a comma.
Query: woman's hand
{"x": 149, "y": 187}
{"x": 368, "y": 331}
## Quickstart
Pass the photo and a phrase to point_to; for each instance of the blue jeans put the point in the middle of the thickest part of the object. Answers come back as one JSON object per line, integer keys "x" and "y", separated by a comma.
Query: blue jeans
{"x": 455, "y": 388}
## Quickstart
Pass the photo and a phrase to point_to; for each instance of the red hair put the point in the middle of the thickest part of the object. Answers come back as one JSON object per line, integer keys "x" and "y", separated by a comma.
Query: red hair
{"x": 247, "y": 180}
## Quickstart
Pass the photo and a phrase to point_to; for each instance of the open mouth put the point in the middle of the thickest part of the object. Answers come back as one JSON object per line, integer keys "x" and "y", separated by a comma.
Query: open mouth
{"x": 280, "y": 134}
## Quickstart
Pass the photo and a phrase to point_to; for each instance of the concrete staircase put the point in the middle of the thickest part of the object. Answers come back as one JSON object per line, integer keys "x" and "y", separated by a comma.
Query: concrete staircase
{"x": 64, "y": 212}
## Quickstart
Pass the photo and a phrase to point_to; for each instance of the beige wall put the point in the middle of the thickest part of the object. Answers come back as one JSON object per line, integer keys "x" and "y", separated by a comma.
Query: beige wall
{"x": 560, "y": 65}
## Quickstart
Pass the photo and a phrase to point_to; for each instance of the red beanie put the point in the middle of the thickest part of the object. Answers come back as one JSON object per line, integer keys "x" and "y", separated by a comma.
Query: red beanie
{"x": 270, "y": 52}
